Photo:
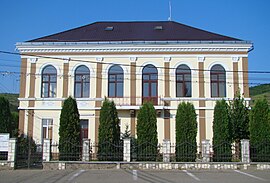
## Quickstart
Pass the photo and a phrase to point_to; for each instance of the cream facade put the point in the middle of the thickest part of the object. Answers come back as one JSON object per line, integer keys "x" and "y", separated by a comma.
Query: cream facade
{"x": 39, "y": 116}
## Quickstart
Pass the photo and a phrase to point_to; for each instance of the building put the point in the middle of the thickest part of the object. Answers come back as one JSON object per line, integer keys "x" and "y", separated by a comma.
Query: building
{"x": 129, "y": 62}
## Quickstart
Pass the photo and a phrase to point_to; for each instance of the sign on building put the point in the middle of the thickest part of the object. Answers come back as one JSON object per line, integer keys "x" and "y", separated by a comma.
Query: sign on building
{"x": 4, "y": 138}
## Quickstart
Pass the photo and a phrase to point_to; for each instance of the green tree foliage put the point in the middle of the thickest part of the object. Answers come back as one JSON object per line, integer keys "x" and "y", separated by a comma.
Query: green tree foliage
{"x": 109, "y": 132}
{"x": 14, "y": 124}
{"x": 240, "y": 122}
{"x": 147, "y": 133}
{"x": 186, "y": 132}
{"x": 221, "y": 129}
{"x": 260, "y": 131}
{"x": 239, "y": 118}
{"x": 69, "y": 131}
{"x": 5, "y": 116}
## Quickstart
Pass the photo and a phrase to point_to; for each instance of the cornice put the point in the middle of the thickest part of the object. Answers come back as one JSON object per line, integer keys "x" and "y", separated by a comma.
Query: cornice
{"x": 132, "y": 48}
{"x": 128, "y": 50}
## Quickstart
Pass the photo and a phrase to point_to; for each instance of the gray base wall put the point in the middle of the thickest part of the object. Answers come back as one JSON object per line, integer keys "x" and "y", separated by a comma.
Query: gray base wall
{"x": 5, "y": 165}
{"x": 57, "y": 165}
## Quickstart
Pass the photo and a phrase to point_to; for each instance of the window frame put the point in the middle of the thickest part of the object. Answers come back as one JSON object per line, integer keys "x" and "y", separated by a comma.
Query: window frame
{"x": 150, "y": 82}
{"x": 82, "y": 82}
{"x": 218, "y": 71}
{"x": 48, "y": 128}
{"x": 185, "y": 82}
{"x": 116, "y": 83}
{"x": 49, "y": 83}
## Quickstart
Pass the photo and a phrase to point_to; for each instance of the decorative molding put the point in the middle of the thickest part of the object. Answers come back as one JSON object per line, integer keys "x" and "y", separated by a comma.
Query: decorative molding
{"x": 59, "y": 99}
{"x": 235, "y": 58}
{"x": 133, "y": 59}
{"x": 99, "y": 59}
{"x": 133, "y": 49}
{"x": 33, "y": 60}
{"x": 198, "y": 99}
{"x": 66, "y": 60}
{"x": 200, "y": 58}
{"x": 167, "y": 59}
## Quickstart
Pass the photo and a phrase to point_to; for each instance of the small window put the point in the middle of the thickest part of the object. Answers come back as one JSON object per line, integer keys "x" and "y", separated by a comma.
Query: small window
{"x": 158, "y": 27}
{"x": 47, "y": 128}
{"x": 109, "y": 28}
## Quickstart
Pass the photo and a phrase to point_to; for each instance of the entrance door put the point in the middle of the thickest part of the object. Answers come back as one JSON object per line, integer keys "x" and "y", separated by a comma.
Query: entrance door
{"x": 84, "y": 129}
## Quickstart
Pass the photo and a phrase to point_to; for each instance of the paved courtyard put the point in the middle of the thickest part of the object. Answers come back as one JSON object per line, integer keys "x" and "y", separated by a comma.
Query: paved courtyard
{"x": 138, "y": 176}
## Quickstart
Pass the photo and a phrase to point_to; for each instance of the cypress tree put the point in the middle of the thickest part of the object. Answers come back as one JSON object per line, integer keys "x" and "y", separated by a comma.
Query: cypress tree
{"x": 109, "y": 132}
{"x": 69, "y": 131}
{"x": 5, "y": 116}
{"x": 186, "y": 132}
{"x": 240, "y": 122}
{"x": 147, "y": 133}
{"x": 221, "y": 129}
{"x": 260, "y": 131}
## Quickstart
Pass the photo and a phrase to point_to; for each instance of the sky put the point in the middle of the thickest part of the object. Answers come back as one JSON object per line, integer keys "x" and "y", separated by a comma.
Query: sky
{"x": 29, "y": 19}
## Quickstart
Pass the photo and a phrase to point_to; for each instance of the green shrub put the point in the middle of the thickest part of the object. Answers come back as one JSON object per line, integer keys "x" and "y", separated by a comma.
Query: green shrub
{"x": 221, "y": 133}
{"x": 260, "y": 131}
{"x": 147, "y": 133}
{"x": 110, "y": 146}
{"x": 69, "y": 132}
{"x": 186, "y": 132}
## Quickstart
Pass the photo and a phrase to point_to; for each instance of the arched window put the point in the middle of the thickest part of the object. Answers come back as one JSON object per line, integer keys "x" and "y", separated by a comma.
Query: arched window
{"x": 150, "y": 84}
{"x": 218, "y": 81}
{"x": 115, "y": 81}
{"x": 183, "y": 81}
{"x": 82, "y": 82}
{"x": 49, "y": 82}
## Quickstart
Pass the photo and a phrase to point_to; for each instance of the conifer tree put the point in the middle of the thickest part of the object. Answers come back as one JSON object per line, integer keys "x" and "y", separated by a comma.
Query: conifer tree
{"x": 5, "y": 116}
{"x": 69, "y": 131}
{"x": 221, "y": 129}
{"x": 108, "y": 132}
{"x": 186, "y": 132}
{"x": 239, "y": 122}
{"x": 147, "y": 133}
{"x": 260, "y": 131}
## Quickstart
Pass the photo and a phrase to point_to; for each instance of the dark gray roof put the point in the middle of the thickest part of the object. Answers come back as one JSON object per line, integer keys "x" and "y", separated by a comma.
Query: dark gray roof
{"x": 134, "y": 31}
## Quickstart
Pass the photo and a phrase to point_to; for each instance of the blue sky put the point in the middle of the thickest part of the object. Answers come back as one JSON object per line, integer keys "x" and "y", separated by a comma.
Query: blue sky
{"x": 29, "y": 19}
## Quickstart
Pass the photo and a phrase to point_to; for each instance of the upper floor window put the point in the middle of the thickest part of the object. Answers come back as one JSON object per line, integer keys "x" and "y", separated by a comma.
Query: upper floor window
{"x": 150, "y": 84}
{"x": 218, "y": 81}
{"x": 115, "y": 81}
{"x": 183, "y": 81}
{"x": 82, "y": 82}
{"x": 49, "y": 82}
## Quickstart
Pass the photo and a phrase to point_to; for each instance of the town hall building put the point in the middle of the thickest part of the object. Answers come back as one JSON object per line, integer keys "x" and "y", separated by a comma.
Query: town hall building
{"x": 165, "y": 62}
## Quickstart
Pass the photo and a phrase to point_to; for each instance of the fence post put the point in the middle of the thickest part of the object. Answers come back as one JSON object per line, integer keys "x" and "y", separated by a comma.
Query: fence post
{"x": 86, "y": 150}
{"x": 46, "y": 150}
{"x": 166, "y": 149}
{"x": 245, "y": 153}
{"x": 12, "y": 151}
{"x": 206, "y": 150}
{"x": 127, "y": 151}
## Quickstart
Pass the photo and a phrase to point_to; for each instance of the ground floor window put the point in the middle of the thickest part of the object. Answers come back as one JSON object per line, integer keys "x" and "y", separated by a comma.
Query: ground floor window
{"x": 47, "y": 128}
